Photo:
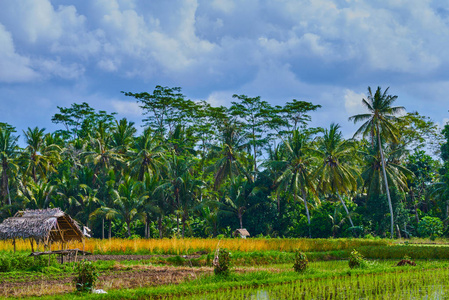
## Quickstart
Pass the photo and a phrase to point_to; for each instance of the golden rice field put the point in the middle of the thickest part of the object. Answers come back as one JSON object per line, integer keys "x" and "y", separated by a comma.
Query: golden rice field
{"x": 191, "y": 245}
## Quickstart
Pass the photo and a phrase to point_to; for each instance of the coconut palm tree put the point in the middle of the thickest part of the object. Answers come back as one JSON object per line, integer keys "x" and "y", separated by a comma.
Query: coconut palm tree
{"x": 229, "y": 155}
{"x": 129, "y": 200}
{"x": 9, "y": 151}
{"x": 336, "y": 174}
{"x": 297, "y": 169}
{"x": 236, "y": 200}
{"x": 39, "y": 158}
{"x": 148, "y": 155}
{"x": 379, "y": 124}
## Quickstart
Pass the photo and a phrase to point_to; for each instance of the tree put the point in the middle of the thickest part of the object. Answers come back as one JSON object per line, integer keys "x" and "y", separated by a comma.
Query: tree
{"x": 236, "y": 200}
{"x": 297, "y": 113}
{"x": 148, "y": 155}
{"x": 80, "y": 119}
{"x": 297, "y": 169}
{"x": 129, "y": 200}
{"x": 229, "y": 155}
{"x": 122, "y": 135}
{"x": 378, "y": 123}
{"x": 253, "y": 112}
{"x": 335, "y": 173}
{"x": 39, "y": 158}
{"x": 9, "y": 151}
{"x": 165, "y": 108}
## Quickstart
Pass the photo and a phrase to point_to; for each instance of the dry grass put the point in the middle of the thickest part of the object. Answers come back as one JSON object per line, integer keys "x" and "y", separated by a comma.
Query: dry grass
{"x": 190, "y": 245}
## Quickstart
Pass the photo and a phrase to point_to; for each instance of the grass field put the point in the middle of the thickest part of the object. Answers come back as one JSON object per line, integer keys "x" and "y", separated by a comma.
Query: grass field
{"x": 262, "y": 270}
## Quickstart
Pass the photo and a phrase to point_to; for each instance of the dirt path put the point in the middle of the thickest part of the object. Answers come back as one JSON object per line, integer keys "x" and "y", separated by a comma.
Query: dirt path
{"x": 120, "y": 278}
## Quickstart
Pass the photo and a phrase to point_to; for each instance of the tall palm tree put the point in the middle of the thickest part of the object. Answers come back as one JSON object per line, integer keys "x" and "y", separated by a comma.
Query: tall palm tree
{"x": 101, "y": 155}
{"x": 9, "y": 151}
{"x": 378, "y": 123}
{"x": 236, "y": 200}
{"x": 122, "y": 135}
{"x": 335, "y": 172}
{"x": 129, "y": 202}
{"x": 39, "y": 158}
{"x": 148, "y": 155}
{"x": 297, "y": 169}
{"x": 229, "y": 155}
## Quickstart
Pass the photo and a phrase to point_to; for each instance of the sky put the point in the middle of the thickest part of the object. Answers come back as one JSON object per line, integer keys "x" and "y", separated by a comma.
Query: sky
{"x": 55, "y": 53}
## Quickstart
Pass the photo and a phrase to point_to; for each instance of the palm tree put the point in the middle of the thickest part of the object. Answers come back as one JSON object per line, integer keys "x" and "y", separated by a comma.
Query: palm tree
{"x": 39, "y": 157}
{"x": 378, "y": 123}
{"x": 182, "y": 186}
{"x": 101, "y": 156}
{"x": 9, "y": 151}
{"x": 122, "y": 135}
{"x": 228, "y": 163}
{"x": 297, "y": 169}
{"x": 335, "y": 172}
{"x": 397, "y": 174}
{"x": 236, "y": 200}
{"x": 129, "y": 202}
{"x": 148, "y": 155}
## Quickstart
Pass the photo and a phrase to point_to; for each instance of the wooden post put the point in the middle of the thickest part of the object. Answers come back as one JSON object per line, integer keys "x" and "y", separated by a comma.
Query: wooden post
{"x": 32, "y": 244}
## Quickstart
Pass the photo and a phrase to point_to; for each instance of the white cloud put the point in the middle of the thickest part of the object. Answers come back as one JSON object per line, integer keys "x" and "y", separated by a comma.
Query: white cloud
{"x": 226, "y": 6}
{"x": 13, "y": 67}
{"x": 353, "y": 102}
{"x": 126, "y": 108}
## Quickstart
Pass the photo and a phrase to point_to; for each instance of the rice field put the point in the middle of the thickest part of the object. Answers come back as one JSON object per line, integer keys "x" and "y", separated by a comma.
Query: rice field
{"x": 410, "y": 284}
{"x": 191, "y": 245}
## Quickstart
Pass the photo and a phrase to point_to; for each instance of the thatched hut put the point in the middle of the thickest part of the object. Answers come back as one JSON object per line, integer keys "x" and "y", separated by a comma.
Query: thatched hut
{"x": 242, "y": 232}
{"x": 41, "y": 225}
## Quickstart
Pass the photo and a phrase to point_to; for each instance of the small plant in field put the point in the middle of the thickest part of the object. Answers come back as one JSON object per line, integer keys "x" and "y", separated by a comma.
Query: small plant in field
{"x": 222, "y": 262}
{"x": 86, "y": 278}
{"x": 406, "y": 261}
{"x": 356, "y": 260}
{"x": 301, "y": 262}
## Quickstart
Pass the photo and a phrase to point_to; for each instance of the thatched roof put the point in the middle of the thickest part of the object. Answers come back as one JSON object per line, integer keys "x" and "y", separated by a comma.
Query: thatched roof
{"x": 242, "y": 232}
{"x": 41, "y": 224}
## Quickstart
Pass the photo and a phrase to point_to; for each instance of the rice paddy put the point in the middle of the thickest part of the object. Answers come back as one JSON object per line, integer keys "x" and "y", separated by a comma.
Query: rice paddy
{"x": 262, "y": 269}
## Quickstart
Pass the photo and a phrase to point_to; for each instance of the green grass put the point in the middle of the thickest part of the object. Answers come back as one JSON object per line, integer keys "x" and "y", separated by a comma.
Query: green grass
{"x": 330, "y": 272}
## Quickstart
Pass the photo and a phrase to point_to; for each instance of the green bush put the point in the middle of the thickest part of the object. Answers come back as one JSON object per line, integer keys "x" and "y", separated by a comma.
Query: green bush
{"x": 86, "y": 278}
{"x": 356, "y": 260}
{"x": 301, "y": 262}
{"x": 430, "y": 227}
{"x": 222, "y": 262}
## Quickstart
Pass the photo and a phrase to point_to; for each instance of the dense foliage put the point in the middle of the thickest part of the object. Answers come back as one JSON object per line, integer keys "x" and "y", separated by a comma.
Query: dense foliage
{"x": 196, "y": 170}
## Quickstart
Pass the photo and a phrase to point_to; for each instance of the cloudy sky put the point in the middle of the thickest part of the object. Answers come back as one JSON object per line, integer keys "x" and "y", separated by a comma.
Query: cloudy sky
{"x": 55, "y": 53}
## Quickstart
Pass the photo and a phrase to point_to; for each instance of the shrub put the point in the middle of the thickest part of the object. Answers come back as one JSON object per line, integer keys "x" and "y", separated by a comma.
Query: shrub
{"x": 430, "y": 227}
{"x": 356, "y": 260}
{"x": 222, "y": 262}
{"x": 301, "y": 262}
{"x": 86, "y": 277}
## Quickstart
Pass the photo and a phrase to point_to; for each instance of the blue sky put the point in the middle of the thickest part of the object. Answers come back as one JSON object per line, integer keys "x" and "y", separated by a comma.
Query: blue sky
{"x": 55, "y": 53}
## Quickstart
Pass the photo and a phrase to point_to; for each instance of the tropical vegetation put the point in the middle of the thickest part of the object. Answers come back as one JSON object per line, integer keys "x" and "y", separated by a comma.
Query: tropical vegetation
{"x": 196, "y": 170}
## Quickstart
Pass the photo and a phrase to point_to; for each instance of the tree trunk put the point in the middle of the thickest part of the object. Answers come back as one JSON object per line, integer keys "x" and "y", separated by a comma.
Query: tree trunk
{"x": 346, "y": 209}
{"x": 240, "y": 219}
{"x": 102, "y": 228}
{"x": 110, "y": 229}
{"x": 129, "y": 229}
{"x": 304, "y": 198}
{"x": 159, "y": 225}
{"x": 183, "y": 220}
{"x": 386, "y": 184}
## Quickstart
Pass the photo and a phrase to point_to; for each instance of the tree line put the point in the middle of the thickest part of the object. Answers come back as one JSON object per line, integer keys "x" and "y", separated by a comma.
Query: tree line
{"x": 199, "y": 170}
